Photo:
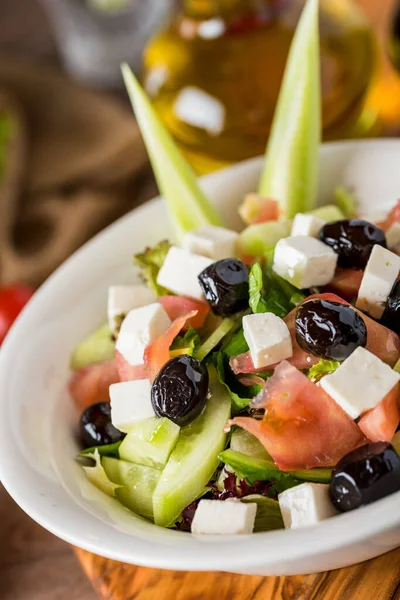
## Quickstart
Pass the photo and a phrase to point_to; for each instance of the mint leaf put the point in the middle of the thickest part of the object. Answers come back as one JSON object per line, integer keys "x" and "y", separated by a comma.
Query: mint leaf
{"x": 150, "y": 262}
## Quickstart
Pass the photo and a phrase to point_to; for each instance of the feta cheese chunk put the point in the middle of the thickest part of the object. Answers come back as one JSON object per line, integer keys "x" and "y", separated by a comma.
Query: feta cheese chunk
{"x": 360, "y": 383}
{"x": 305, "y": 505}
{"x": 140, "y": 327}
{"x": 180, "y": 270}
{"x": 308, "y": 225}
{"x": 214, "y": 242}
{"x": 213, "y": 517}
{"x": 122, "y": 298}
{"x": 130, "y": 402}
{"x": 393, "y": 235}
{"x": 304, "y": 261}
{"x": 379, "y": 277}
{"x": 268, "y": 338}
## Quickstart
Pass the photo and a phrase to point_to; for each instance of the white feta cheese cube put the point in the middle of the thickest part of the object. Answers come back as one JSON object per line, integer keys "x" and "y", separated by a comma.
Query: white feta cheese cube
{"x": 180, "y": 270}
{"x": 305, "y": 505}
{"x": 268, "y": 338}
{"x": 360, "y": 383}
{"x": 123, "y": 298}
{"x": 140, "y": 327}
{"x": 393, "y": 235}
{"x": 308, "y": 225}
{"x": 304, "y": 261}
{"x": 215, "y": 242}
{"x": 379, "y": 277}
{"x": 213, "y": 517}
{"x": 130, "y": 402}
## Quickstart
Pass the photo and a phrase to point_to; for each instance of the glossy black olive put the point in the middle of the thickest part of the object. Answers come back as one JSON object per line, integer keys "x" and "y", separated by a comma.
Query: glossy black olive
{"x": 180, "y": 390}
{"x": 329, "y": 329}
{"x": 391, "y": 316}
{"x": 352, "y": 240}
{"x": 365, "y": 475}
{"x": 96, "y": 428}
{"x": 225, "y": 285}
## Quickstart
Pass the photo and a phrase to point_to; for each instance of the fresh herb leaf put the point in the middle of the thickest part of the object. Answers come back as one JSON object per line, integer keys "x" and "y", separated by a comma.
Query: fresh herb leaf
{"x": 256, "y": 288}
{"x": 345, "y": 201}
{"x": 150, "y": 262}
{"x": 322, "y": 368}
{"x": 106, "y": 450}
{"x": 240, "y": 394}
{"x": 189, "y": 342}
{"x": 269, "y": 516}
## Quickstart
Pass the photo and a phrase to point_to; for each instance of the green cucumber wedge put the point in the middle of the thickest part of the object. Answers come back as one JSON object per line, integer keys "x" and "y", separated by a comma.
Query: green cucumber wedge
{"x": 150, "y": 442}
{"x": 255, "y": 240}
{"x": 244, "y": 442}
{"x": 290, "y": 173}
{"x": 177, "y": 182}
{"x": 95, "y": 348}
{"x": 268, "y": 516}
{"x": 328, "y": 213}
{"x": 194, "y": 459}
{"x": 137, "y": 484}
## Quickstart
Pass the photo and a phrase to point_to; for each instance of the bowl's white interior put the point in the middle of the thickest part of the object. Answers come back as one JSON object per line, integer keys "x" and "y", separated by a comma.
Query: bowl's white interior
{"x": 37, "y": 418}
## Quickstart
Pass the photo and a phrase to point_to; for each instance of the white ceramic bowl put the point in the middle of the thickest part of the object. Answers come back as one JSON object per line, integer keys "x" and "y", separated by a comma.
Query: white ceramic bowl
{"x": 37, "y": 418}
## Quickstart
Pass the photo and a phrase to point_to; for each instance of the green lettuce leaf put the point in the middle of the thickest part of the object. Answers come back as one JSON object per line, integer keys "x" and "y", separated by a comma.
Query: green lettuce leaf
{"x": 291, "y": 167}
{"x": 269, "y": 516}
{"x": 189, "y": 342}
{"x": 270, "y": 293}
{"x": 226, "y": 326}
{"x": 256, "y": 285}
{"x": 106, "y": 450}
{"x": 187, "y": 204}
{"x": 97, "y": 475}
{"x": 322, "y": 368}
{"x": 150, "y": 262}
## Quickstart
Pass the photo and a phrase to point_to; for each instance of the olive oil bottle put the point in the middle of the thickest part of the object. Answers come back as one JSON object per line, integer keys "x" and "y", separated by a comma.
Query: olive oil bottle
{"x": 214, "y": 73}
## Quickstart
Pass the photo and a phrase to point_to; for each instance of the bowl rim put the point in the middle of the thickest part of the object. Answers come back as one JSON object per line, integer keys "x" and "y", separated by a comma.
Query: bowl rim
{"x": 336, "y": 533}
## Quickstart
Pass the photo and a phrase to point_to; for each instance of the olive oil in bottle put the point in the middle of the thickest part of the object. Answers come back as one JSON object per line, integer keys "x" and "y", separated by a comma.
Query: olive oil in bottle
{"x": 214, "y": 73}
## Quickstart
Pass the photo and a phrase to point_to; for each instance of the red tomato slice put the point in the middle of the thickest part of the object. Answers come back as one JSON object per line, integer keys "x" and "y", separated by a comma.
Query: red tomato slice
{"x": 129, "y": 372}
{"x": 177, "y": 306}
{"x": 157, "y": 353}
{"x": 257, "y": 209}
{"x": 303, "y": 427}
{"x": 91, "y": 384}
{"x": 380, "y": 423}
{"x": 392, "y": 217}
{"x": 12, "y": 300}
{"x": 346, "y": 283}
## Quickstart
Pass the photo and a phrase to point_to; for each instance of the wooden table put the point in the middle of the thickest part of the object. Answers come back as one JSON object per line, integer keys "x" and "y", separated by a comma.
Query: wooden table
{"x": 377, "y": 579}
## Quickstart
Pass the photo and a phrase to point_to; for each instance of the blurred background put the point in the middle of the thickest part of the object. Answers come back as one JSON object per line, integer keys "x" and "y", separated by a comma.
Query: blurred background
{"x": 72, "y": 160}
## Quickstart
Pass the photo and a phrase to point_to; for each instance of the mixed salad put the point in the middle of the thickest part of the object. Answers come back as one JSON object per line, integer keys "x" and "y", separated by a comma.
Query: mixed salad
{"x": 251, "y": 381}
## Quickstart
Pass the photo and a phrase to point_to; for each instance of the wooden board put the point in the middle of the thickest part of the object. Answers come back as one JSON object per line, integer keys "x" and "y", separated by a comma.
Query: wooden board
{"x": 378, "y": 579}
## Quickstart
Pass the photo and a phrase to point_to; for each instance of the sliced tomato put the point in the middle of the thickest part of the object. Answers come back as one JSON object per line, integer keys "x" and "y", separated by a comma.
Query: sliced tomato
{"x": 157, "y": 353}
{"x": 380, "y": 423}
{"x": 91, "y": 384}
{"x": 346, "y": 283}
{"x": 257, "y": 209}
{"x": 392, "y": 217}
{"x": 177, "y": 306}
{"x": 128, "y": 372}
{"x": 303, "y": 427}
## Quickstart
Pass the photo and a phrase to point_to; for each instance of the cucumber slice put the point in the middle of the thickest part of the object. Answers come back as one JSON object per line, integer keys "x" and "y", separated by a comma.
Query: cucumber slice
{"x": 150, "y": 442}
{"x": 258, "y": 469}
{"x": 255, "y": 240}
{"x": 328, "y": 213}
{"x": 242, "y": 441}
{"x": 138, "y": 484}
{"x": 269, "y": 516}
{"x": 97, "y": 347}
{"x": 194, "y": 459}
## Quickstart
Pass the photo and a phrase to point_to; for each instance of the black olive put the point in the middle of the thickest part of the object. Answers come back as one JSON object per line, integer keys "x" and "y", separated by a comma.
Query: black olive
{"x": 352, "y": 240}
{"x": 329, "y": 329}
{"x": 367, "y": 474}
{"x": 180, "y": 390}
{"x": 391, "y": 316}
{"x": 225, "y": 285}
{"x": 96, "y": 428}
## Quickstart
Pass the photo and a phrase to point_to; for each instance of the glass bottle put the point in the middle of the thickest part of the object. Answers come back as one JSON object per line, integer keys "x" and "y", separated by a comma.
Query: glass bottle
{"x": 214, "y": 73}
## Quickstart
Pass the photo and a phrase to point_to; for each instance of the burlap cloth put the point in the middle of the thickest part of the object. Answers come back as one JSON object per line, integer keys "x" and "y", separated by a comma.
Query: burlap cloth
{"x": 75, "y": 163}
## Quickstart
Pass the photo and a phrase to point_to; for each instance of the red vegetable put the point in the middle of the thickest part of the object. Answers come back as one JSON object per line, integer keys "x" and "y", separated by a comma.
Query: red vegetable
{"x": 12, "y": 300}
{"x": 157, "y": 353}
{"x": 257, "y": 209}
{"x": 129, "y": 372}
{"x": 177, "y": 306}
{"x": 392, "y": 217}
{"x": 380, "y": 423}
{"x": 303, "y": 426}
{"x": 346, "y": 283}
{"x": 91, "y": 384}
